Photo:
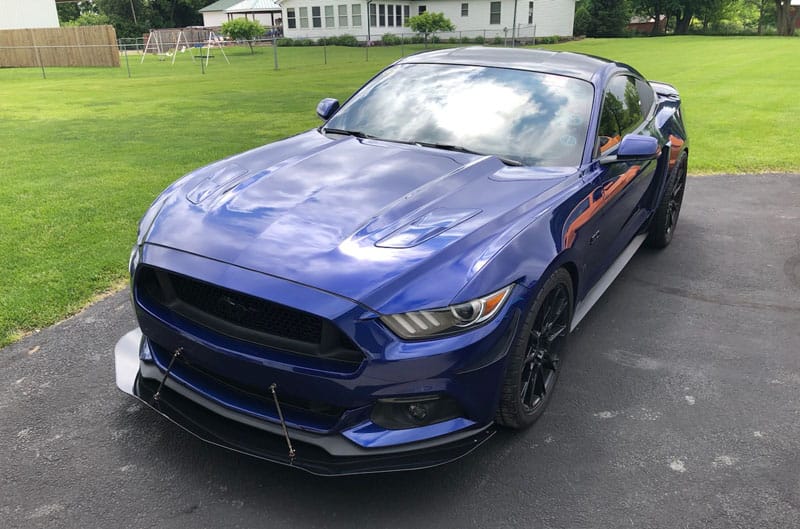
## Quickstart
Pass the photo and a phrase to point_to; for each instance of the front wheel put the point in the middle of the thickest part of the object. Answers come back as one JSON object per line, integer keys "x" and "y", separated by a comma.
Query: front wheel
{"x": 535, "y": 357}
{"x": 662, "y": 227}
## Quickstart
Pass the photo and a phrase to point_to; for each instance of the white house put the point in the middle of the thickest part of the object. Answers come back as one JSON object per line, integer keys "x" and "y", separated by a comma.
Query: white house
{"x": 265, "y": 11}
{"x": 323, "y": 18}
{"x": 21, "y": 14}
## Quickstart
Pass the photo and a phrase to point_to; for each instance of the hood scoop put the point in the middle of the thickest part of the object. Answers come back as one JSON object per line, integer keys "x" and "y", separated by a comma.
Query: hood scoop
{"x": 219, "y": 178}
{"x": 426, "y": 227}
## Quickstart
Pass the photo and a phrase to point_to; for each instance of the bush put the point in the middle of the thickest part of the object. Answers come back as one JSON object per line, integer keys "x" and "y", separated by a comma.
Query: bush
{"x": 346, "y": 40}
{"x": 497, "y": 41}
{"x": 479, "y": 39}
{"x": 390, "y": 40}
{"x": 285, "y": 41}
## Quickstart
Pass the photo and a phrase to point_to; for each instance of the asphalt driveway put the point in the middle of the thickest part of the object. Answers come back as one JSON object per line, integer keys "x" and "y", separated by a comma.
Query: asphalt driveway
{"x": 678, "y": 406}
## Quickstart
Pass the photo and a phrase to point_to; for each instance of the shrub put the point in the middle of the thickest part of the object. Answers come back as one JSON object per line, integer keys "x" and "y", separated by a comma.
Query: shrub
{"x": 479, "y": 39}
{"x": 346, "y": 40}
{"x": 390, "y": 40}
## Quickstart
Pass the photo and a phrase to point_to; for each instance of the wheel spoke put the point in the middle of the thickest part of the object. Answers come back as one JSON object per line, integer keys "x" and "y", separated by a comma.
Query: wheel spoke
{"x": 539, "y": 388}
{"x": 554, "y": 333}
{"x": 562, "y": 306}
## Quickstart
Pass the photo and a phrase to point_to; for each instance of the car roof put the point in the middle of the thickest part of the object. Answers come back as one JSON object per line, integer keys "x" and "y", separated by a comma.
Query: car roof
{"x": 557, "y": 62}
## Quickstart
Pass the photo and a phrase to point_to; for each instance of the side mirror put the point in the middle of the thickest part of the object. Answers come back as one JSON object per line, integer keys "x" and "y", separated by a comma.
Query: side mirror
{"x": 327, "y": 107}
{"x": 634, "y": 147}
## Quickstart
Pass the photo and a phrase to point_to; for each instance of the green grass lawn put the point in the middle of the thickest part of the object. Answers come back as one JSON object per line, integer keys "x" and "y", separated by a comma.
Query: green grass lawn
{"x": 85, "y": 151}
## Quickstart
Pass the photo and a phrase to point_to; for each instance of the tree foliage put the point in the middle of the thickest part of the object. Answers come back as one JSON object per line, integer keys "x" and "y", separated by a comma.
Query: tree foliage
{"x": 133, "y": 18}
{"x": 88, "y": 19}
{"x": 243, "y": 29}
{"x": 428, "y": 23}
{"x": 609, "y": 18}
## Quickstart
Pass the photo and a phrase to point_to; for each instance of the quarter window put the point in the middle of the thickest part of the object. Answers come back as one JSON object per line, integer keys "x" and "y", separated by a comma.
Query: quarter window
{"x": 494, "y": 12}
{"x": 621, "y": 114}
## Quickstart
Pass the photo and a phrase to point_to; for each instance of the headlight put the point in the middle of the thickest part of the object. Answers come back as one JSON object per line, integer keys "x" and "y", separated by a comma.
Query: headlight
{"x": 455, "y": 318}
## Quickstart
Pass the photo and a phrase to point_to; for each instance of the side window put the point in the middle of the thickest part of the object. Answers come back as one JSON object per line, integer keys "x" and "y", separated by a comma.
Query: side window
{"x": 621, "y": 114}
{"x": 646, "y": 96}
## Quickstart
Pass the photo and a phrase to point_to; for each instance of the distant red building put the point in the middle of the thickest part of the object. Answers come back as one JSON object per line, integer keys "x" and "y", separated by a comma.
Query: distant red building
{"x": 644, "y": 25}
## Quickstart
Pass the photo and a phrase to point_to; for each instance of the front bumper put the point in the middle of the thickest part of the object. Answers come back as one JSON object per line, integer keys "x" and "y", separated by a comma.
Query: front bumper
{"x": 322, "y": 454}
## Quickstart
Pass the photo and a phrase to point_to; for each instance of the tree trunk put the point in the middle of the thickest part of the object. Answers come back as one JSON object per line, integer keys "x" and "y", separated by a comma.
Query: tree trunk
{"x": 784, "y": 17}
{"x": 656, "y": 29}
{"x": 683, "y": 19}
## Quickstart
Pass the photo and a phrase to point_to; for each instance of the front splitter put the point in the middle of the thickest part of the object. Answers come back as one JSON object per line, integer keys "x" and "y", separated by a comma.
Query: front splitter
{"x": 326, "y": 455}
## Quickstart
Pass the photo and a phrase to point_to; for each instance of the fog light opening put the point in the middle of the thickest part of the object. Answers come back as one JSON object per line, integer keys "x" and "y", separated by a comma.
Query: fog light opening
{"x": 418, "y": 412}
{"x": 412, "y": 412}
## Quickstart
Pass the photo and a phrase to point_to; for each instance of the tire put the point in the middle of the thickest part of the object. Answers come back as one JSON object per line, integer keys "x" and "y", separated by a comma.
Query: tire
{"x": 535, "y": 356}
{"x": 665, "y": 220}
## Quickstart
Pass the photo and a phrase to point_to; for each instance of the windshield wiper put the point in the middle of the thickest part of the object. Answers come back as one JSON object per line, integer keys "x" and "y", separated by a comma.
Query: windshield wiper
{"x": 458, "y": 148}
{"x": 354, "y": 133}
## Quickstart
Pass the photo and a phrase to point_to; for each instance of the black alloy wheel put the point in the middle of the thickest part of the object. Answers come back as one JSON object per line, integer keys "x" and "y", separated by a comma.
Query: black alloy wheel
{"x": 535, "y": 357}
{"x": 544, "y": 346}
{"x": 665, "y": 219}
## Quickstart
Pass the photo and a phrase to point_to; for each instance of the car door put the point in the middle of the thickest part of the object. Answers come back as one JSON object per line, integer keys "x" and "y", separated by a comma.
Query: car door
{"x": 619, "y": 188}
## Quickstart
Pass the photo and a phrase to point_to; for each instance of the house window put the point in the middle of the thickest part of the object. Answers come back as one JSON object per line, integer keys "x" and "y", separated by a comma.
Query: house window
{"x": 373, "y": 17}
{"x": 342, "y": 9}
{"x": 382, "y": 15}
{"x": 494, "y": 12}
{"x": 330, "y": 21}
{"x": 316, "y": 17}
{"x": 465, "y": 10}
{"x": 303, "y": 17}
{"x": 406, "y": 13}
{"x": 398, "y": 15}
{"x": 291, "y": 19}
{"x": 530, "y": 12}
{"x": 421, "y": 9}
{"x": 355, "y": 9}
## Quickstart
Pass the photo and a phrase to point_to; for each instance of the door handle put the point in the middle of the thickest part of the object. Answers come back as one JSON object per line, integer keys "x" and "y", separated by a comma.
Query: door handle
{"x": 594, "y": 237}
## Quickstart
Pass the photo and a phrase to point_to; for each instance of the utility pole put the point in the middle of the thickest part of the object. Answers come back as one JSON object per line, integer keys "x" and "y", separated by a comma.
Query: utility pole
{"x": 514, "y": 27}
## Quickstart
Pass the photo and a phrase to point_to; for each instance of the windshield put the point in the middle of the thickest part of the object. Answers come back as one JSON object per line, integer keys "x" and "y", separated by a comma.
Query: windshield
{"x": 534, "y": 118}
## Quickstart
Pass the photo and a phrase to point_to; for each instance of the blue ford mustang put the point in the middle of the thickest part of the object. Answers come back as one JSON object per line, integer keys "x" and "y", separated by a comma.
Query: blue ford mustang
{"x": 378, "y": 293}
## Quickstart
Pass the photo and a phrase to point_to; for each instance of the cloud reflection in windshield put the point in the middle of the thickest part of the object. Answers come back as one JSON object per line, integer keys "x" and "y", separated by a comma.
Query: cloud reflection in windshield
{"x": 536, "y": 118}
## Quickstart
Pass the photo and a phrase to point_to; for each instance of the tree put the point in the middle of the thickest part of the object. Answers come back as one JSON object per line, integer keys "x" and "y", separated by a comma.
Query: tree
{"x": 89, "y": 19}
{"x": 428, "y": 23}
{"x": 243, "y": 29}
{"x": 785, "y": 18}
{"x": 609, "y": 18}
{"x": 583, "y": 19}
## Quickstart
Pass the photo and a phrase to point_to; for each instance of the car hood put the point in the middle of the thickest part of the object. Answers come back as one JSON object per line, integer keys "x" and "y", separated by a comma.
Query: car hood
{"x": 359, "y": 218}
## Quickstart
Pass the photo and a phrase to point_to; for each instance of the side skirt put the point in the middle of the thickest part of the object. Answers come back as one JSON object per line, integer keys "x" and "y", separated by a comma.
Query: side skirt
{"x": 605, "y": 281}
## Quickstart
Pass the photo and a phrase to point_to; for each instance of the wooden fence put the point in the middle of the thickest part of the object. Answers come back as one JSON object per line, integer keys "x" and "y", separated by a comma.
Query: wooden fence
{"x": 69, "y": 46}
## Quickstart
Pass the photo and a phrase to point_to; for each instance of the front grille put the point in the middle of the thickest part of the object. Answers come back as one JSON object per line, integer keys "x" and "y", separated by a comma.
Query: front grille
{"x": 244, "y": 317}
{"x": 193, "y": 367}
